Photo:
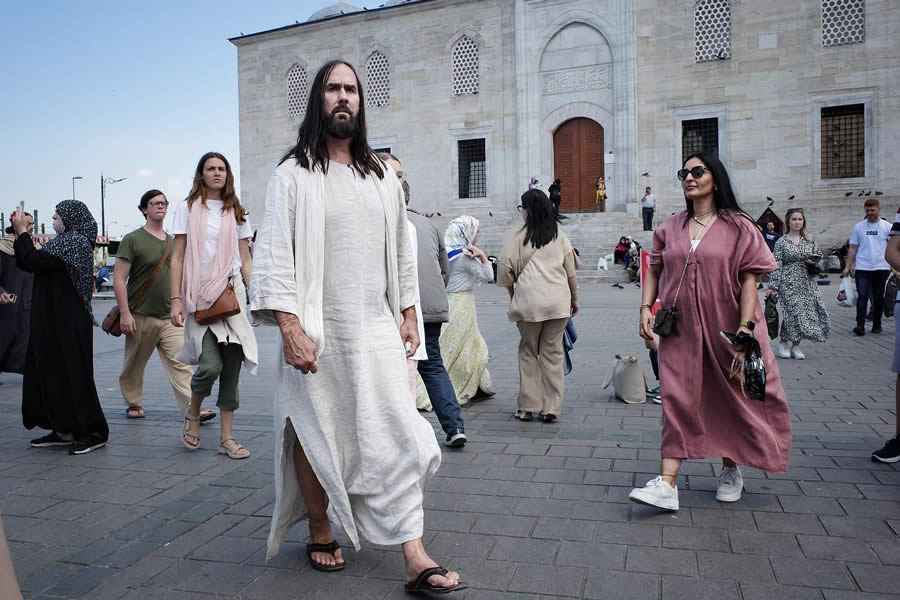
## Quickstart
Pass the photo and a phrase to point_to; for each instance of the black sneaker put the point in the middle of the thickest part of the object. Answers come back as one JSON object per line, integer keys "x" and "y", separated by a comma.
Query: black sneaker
{"x": 456, "y": 439}
{"x": 86, "y": 445}
{"x": 890, "y": 453}
{"x": 860, "y": 331}
{"x": 51, "y": 439}
{"x": 876, "y": 328}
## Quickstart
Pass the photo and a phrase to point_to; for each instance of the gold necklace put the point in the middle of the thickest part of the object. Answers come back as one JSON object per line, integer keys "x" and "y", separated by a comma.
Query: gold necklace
{"x": 701, "y": 223}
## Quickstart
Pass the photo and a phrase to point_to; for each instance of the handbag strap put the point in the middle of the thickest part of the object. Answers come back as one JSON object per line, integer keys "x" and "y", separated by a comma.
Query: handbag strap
{"x": 146, "y": 287}
{"x": 686, "y": 261}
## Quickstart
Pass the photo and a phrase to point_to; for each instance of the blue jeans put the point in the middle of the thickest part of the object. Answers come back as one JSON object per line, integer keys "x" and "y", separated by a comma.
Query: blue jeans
{"x": 437, "y": 382}
{"x": 870, "y": 284}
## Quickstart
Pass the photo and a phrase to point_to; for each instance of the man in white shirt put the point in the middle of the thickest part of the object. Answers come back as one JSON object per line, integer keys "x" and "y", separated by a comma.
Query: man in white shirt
{"x": 648, "y": 207}
{"x": 866, "y": 262}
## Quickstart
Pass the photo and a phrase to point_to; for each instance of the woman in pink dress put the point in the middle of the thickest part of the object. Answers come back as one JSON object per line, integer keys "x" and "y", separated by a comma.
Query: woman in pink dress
{"x": 706, "y": 413}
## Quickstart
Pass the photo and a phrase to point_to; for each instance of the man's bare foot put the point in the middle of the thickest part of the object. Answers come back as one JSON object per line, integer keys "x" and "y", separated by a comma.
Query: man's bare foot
{"x": 320, "y": 533}
{"x": 417, "y": 561}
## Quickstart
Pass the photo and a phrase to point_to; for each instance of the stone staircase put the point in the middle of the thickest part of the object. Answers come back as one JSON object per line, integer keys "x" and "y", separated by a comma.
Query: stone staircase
{"x": 594, "y": 235}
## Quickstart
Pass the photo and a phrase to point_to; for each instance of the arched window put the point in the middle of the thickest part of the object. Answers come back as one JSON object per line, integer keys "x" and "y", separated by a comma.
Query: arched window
{"x": 378, "y": 80}
{"x": 465, "y": 67}
{"x": 843, "y": 22}
{"x": 712, "y": 30}
{"x": 296, "y": 90}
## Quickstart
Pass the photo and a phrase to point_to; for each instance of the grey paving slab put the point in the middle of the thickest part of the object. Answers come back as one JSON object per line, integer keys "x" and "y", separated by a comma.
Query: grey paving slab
{"x": 527, "y": 511}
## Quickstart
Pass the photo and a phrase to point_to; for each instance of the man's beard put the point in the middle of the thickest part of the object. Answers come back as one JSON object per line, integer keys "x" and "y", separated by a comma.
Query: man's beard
{"x": 342, "y": 129}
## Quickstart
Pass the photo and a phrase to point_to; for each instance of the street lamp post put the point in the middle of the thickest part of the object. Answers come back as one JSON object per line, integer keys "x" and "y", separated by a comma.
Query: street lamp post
{"x": 103, "y": 184}
{"x": 73, "y": 185}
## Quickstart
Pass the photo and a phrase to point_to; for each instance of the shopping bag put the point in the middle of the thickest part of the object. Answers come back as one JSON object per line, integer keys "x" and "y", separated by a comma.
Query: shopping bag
{"x": 627, "y": 378}
{"x": 771, "y": 314}
{"x": 847, "y": 293}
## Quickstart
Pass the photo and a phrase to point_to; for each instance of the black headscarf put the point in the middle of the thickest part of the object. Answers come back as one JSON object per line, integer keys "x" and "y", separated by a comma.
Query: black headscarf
{"x": 75, "y": 247}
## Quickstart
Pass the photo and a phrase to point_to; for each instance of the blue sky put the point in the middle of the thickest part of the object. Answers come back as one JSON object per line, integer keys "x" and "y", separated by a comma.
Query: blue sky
{"x": 133, "y": 89}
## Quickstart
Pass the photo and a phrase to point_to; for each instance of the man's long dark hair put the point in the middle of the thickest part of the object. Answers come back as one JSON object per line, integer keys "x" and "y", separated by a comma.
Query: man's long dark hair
{"x": 723, "y": 195}
{"x": 541, "y": 219}
{"x": 311, "y": 142}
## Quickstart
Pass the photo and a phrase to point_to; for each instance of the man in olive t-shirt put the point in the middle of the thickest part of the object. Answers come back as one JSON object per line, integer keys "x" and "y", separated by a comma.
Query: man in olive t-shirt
{"x": 146, "y": 323}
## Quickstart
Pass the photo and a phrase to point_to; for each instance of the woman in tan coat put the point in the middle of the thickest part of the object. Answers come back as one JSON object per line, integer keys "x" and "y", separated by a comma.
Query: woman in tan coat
{"x": 537, "y": 267}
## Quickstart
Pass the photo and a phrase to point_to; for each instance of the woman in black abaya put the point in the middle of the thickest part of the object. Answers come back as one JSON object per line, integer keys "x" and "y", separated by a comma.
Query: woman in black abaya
{"x": 58, "y": 388}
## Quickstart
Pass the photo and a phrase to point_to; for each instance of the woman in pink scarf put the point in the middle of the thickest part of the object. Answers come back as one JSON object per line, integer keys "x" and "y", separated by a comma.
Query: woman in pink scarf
{"x": 212, "y": 251}
{"x": 710, "y": 256}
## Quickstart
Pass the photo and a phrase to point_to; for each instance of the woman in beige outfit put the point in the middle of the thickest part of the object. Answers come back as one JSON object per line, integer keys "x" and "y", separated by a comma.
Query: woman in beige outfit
{"x": 537, "y": 267}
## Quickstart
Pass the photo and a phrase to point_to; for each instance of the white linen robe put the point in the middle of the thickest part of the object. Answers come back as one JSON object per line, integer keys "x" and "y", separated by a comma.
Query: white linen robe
{"x": 289, "y": 275}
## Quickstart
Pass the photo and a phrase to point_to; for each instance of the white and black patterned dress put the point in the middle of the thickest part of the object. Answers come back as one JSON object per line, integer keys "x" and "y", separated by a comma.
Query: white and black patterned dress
{"x": 803, "y": 315}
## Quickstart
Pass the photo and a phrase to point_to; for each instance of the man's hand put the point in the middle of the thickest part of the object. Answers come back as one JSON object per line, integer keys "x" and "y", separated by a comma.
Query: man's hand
{"x": 574, "y": 306}
{"x": 476, "y": 253}
{"x": 19, "y": 222}
{"x": 299, "y": 350}
{"x": 127, "y": 324}
{"x": 850, "y": 270}
{"x": 6, "y": 298}
{"x": 409, "y": 331}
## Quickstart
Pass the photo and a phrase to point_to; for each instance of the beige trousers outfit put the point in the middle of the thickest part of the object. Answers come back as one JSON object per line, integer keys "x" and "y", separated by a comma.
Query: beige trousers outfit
{"x": 151, "y": 333}
{"x": 541, "y": 385}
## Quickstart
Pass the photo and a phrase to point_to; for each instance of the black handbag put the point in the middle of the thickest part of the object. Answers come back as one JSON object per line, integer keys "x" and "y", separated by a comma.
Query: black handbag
{"x": 753, "y": 382}
{"x": 771, "y": 314}
{"x": 666, "y": 318}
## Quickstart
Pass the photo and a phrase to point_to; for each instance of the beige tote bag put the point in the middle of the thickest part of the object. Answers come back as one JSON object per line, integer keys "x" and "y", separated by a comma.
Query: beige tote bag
{"x": 627, "y": 378}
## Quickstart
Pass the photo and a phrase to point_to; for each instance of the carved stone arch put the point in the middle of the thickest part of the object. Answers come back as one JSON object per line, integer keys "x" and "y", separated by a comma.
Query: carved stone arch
{"x": 575, "y": 17}
{"x": 368, "y": 52}
{"x": 291, "y": 62}
{"x": 464, "y": 32}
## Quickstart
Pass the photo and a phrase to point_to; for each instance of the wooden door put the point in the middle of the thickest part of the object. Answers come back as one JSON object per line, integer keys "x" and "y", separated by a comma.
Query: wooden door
{"x": 577, "y": 162}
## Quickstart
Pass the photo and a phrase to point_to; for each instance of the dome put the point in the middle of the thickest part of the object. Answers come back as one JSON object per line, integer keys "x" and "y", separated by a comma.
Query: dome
{"x": 334, "y": 10}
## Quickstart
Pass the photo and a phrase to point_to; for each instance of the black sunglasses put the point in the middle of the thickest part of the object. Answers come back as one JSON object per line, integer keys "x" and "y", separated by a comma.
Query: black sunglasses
{"x": 697, "y": 172}
{"x": 793, "y": 210}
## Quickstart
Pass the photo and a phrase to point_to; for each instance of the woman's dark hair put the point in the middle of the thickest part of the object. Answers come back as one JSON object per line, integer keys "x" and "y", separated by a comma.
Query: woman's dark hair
{"x": 311, "y": 141}
{"x": 230, "y": 199}
{"x": 541, "y": 219}
{"x": 145, "y": 199}
{"x": 723, "y": 195}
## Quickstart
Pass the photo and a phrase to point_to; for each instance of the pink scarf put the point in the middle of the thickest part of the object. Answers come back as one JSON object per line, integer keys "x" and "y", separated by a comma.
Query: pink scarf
{"x": 202, "y": 287}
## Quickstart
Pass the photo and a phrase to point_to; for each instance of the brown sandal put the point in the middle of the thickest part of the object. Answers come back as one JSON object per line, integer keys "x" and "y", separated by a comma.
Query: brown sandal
{"x": 187, "y": 431}
{"x": 134, "y": 412}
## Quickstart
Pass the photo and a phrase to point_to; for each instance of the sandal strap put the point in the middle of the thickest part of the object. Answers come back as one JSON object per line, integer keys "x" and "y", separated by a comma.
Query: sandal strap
{"x": 422, "y": 578}
{"x": 330, "y": 548}
{"x": 190, "y": 418}
{"x": 231, "y": 439}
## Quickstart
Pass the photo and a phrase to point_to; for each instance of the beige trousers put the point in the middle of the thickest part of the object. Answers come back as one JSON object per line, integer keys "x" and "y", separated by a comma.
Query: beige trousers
{"x": 151, "y": 333}
{"x": 541, "y": 386}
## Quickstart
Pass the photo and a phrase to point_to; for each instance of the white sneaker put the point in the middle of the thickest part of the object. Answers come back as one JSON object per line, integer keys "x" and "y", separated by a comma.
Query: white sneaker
{"x": 731, "y": 484}
{"x": 656, "y": 493}
{"x": 796, "y": 353}
{"x": 781, "y": 351}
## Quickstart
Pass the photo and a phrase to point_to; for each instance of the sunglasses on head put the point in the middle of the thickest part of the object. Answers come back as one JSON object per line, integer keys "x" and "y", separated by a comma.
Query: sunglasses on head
{"x": 793, "y": 210}
{"x": 697, "y": 172}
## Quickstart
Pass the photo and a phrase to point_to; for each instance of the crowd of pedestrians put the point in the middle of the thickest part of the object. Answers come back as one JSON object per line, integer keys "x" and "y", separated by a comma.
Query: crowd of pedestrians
{"x": 378, "y": 304}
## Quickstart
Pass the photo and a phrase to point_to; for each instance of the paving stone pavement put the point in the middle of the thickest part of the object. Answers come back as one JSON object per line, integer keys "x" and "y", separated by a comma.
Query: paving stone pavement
{"x": 525, "y": 511}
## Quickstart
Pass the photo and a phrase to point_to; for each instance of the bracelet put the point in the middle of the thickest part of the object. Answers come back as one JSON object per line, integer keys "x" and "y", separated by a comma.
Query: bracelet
{"x": 175, "y": 298}
{"x": 647, "y": 305}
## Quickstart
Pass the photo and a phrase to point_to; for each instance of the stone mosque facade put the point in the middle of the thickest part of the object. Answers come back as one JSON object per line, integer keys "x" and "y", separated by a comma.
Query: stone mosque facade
{"x": 476, "y": 97}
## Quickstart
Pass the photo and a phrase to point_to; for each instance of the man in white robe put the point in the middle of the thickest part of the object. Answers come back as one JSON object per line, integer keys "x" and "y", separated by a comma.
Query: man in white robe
{"x": 335, "y": 271}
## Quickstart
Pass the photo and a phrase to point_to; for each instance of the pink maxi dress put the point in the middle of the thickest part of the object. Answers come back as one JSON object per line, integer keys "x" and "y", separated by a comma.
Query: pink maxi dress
{"x": 705, "y": 412}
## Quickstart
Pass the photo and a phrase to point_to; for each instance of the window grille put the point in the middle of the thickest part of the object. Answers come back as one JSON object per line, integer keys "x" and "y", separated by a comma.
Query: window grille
{"x": 712, "y": 30}
{"x": 699, "y": 135}
{"x": 472, "y": 168}
{"x": 465, "y": 67}
{"x": 378, "y": 79}
{"x": 843, "y": 22}
{"x": 296, "y": 90}
{"x": 843, "y": 141}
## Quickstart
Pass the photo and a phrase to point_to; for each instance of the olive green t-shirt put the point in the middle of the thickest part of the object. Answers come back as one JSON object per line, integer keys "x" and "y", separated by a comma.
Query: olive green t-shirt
{"x": 143, "y": 250}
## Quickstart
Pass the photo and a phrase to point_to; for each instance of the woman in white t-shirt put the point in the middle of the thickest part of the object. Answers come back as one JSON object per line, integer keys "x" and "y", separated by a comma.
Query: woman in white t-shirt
{"x": 212, "y": 252}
